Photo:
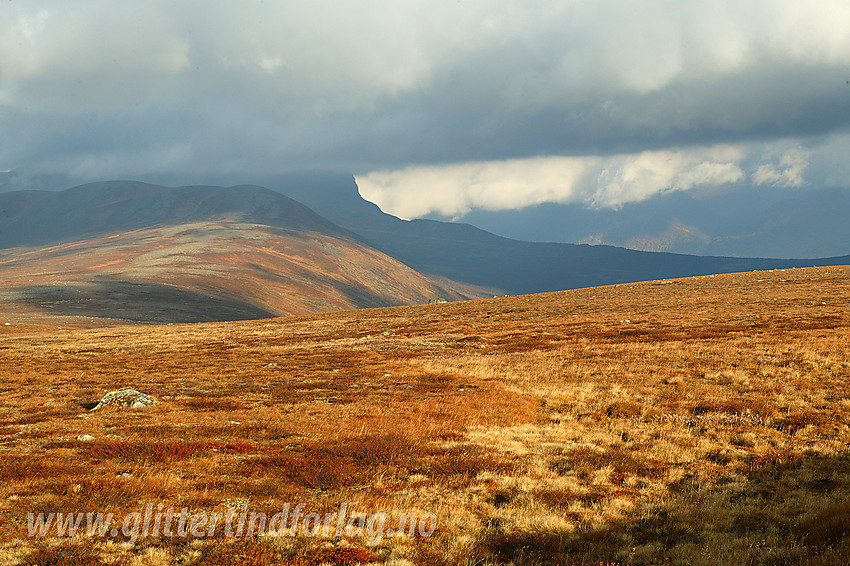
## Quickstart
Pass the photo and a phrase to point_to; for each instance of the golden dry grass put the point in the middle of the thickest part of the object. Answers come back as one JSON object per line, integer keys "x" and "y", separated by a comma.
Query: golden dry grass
{"x": 699, "y": 421}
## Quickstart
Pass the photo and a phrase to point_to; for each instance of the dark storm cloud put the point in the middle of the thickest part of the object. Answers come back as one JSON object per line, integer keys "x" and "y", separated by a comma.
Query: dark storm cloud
{"x": 117, "y": 88}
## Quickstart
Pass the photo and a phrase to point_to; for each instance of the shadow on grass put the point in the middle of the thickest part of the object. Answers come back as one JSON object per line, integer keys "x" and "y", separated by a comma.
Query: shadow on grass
{"x": 786, "y": 511}
{"x": 137, "y": 302}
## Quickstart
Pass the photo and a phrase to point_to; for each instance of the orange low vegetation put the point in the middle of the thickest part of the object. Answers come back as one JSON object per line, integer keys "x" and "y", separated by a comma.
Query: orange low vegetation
{"x": 691, "y": 421}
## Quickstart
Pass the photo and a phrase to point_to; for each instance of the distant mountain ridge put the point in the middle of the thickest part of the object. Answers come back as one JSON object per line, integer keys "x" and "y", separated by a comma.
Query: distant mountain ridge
{"x": 731, "y": 221}
{"x": 771, "y": 222}
{"x": 459, "y": 253}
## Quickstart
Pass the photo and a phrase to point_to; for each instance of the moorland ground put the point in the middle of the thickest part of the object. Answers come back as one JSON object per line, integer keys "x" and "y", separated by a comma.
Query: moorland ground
{"x": 692, "y": 421}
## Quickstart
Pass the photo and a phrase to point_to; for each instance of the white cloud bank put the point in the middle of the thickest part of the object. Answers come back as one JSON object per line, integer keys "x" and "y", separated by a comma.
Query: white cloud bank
{"x": 454, "y": 190}
{"x": 786, "y": 171}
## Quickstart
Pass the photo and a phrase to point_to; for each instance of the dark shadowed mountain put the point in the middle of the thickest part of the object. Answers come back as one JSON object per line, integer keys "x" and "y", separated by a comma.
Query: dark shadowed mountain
{"x": 29, "y": 218}
{"x": 463, "y": 252}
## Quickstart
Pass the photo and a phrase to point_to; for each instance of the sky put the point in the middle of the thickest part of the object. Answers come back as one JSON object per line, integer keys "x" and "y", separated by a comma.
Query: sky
{"x": 435, "y": 106}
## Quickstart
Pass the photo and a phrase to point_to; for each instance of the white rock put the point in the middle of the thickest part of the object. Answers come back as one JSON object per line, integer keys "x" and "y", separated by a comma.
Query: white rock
{"x": 85, "y": 438}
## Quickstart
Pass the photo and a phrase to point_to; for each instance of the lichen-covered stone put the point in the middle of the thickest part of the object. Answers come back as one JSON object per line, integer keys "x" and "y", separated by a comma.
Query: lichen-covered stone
{"x": 126, "y": 398}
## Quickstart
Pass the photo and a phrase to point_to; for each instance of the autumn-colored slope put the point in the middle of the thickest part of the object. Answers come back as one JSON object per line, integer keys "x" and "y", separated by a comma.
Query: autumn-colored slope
{"x": 204, "y": 271}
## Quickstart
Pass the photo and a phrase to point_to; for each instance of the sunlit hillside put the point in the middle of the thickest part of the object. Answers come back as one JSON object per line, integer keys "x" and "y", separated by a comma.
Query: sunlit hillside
{"x": 206, "y": 271}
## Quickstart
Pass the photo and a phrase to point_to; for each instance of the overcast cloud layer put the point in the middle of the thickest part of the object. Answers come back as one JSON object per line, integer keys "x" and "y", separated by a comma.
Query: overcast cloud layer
{"x": 436, "y": 106}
